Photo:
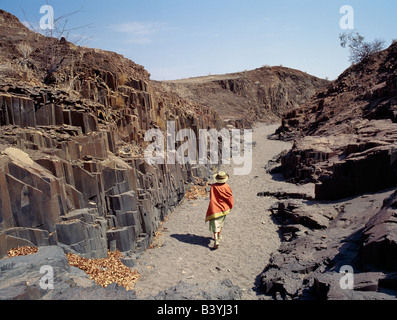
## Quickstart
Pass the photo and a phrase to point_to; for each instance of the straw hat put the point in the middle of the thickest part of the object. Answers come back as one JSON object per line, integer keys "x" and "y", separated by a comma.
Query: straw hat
{"x": 221, "y": 177}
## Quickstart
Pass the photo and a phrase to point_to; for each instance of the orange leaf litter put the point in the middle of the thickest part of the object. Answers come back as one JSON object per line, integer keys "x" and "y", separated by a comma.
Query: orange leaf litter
{"x": 106, "y": 270}
{"x": 103, "y": 271}
{"x": 21, "y": 251}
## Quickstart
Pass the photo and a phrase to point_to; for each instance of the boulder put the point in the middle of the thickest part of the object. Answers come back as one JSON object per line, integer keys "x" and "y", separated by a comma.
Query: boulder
{"x": 366, "y": 286}
{"x": 111, "y": 292}
{"x": 379, "y": 239}
{"x": 22, "y": 279}
{"x": 125, "y": 238}
{"x": 285, "y": 283}
{"x": 20, "y": 275}
{"x": 345, "y": 165}
{"x": 294, "y": 214}
{"x": 85, "y": 239}
{"x": 308, "y": 263}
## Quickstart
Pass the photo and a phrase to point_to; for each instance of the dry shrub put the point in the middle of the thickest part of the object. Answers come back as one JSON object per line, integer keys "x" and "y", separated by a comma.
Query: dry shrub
{"x": 120, "y": 101}
{"x": 122, "y": 79}
{"x": 24, "y": 49}
{"x": 199, "y": 189}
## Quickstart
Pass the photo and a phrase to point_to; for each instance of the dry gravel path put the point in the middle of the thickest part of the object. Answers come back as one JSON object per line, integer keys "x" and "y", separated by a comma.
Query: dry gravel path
{"x": 249, "y": 235}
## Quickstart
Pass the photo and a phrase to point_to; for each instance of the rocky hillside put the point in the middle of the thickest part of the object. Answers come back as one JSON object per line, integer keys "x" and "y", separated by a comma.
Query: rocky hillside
{"x": 345, "y": 141}
{"x": 262, "y": 94}
{"x": 72, "y": 125}
{"x": 346, "y": 135}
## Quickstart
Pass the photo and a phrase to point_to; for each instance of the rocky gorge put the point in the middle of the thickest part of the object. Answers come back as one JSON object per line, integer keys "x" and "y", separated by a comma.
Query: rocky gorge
{"x": 73, "y": 178}
{"x": 72, "y": 140}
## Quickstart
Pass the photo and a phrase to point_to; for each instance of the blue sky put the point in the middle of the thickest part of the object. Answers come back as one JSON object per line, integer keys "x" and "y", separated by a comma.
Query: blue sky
{"x": 176, "y": 39}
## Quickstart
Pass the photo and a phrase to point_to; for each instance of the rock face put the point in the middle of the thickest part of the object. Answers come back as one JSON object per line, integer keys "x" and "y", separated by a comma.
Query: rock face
{"x": 379, "y": 239}
{"x": 345, "y": 135}
{"x": 262, "y": 94}
{"x": 346, "y": 164}
{"x": 72, "y": 127}
{"x": 353, "y": 236}
{"x": 345, "y": 142}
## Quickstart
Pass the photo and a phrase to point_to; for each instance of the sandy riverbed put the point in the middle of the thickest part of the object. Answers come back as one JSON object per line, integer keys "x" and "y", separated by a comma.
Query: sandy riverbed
{"x": 249, "y": 236}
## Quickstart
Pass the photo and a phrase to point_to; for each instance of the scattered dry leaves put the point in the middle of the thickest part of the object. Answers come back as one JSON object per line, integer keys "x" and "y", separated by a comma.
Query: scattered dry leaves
{"x": 197, "y": 190}
{"x": 106, "y": 270}
{"x": 21, "y": 251}
{"x": 157, "y": 243}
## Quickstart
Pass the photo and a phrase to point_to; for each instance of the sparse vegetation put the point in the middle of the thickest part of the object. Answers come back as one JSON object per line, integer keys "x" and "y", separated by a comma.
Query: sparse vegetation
{"x": 24, "y": 49}
{"x": 120, "y": 101}
{"x": 123, "y": 79}
{"x": 359, "y": 50}
{"x": 61, "y": 31}
{"x": 71, "y": 74}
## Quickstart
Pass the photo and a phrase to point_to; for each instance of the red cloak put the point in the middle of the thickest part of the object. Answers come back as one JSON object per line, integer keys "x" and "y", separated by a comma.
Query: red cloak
{"x": 221, "y": 201}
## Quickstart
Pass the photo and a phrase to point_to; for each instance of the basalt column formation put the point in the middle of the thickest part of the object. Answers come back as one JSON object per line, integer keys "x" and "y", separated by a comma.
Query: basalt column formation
{"x": 72, "y": 128}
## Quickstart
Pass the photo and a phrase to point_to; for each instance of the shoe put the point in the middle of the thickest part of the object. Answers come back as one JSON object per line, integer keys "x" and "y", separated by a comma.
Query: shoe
{"x": 216, "y": 245}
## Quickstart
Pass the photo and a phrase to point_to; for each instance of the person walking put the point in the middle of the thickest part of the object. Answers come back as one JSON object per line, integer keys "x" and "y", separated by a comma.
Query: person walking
{"x": 221, "y": 203}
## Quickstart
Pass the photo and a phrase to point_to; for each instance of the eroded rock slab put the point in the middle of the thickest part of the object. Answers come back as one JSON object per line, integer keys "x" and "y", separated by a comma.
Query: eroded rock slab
{"x": 311, "y": 262}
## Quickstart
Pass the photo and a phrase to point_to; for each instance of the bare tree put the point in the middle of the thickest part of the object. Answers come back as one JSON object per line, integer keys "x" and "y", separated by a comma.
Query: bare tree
{"x": 359, "y": 50}
{"x": 24, "y": 49}
{"x": 60, "y": 28}
{"x": 62, "y": 32}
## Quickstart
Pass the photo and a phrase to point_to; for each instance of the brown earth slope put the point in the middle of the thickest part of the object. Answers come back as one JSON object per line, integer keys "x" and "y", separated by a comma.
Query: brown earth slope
{"x": 263, "y": 94}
